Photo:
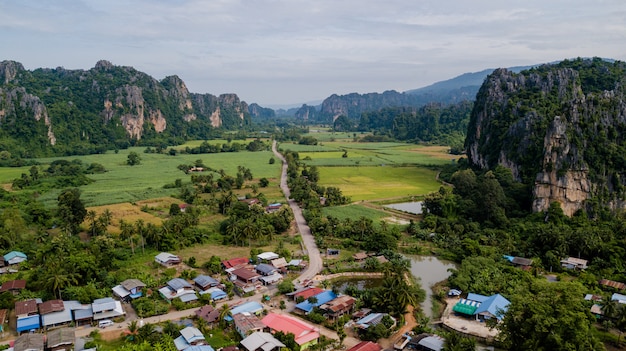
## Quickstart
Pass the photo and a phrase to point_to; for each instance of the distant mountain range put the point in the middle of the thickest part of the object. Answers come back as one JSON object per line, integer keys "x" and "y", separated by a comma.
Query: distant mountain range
{"x": 454, "y": 90}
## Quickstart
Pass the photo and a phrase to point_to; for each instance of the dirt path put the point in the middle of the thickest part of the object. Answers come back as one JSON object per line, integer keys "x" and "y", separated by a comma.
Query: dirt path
{"x": 409, "y": 324}
{"x": 315, "y": 258}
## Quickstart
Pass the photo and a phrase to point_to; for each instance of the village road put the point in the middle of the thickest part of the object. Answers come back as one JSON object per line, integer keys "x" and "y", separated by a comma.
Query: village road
{"x": 315, "y": 258}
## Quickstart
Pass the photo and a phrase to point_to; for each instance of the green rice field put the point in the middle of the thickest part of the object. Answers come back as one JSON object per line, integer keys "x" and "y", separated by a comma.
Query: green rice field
{"x": 123, "y": 183}
{"x": 373, "y": 183}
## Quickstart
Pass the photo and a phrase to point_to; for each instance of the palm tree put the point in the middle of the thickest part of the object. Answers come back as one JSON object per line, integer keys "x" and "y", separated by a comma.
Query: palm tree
{"x": 609, "y": 307}
{"x": 93, "y": 226}
{"x": 133, "y": 330}
{"x": 58, "y": 279}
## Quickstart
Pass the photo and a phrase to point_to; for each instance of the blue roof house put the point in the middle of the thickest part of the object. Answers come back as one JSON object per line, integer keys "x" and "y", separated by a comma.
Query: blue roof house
{"x": 15, "y": 257}
{"x": 494, "y": 307}
{"x": 28, "y": 323}
{"x": 322, "y": 298}
{"x": 251, "y": 307}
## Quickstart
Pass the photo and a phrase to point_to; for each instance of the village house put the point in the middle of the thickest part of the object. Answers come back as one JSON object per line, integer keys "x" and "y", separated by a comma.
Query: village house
{"x": 360, "y": 256}
{"x": 190, "y": 336}
{"x": 305, "y": 334}
{"x": 29, "y": 342}
{"x": 306, "y": 306}
{"x": 209, "y": 314}
{"x": 250, "y": 307}
{"x": 246, "y": 280}
{"x": 205, "y": 282}
{"x": 27, "y": 315}
{"x": 14, "y": 257}
{"x": 55, "y": 313}
{"x": 235, "y": 263}
{"x": 373, "y": 319}
{"x": 261, "y": 341}
{"x": 574, "y": 263}
{"x": 167, "y": 259}
{"x": 13, "y": 286}
{"x": 305, "y": 293}
{"x": 271, "y": 208}
{"x": 482, "y": 307}
{"x": 60, "y": 339}
{"x": 366, "y": 346}
{"x": 106, "y": 308}
{"x": 129, "y": 289}
{"x": 613, "y": 284}
{"x": 178, "y": 288}
{"x": 266, "y": 257}
{"x": 247, "y": 323}
{"x": 338, "y": 307}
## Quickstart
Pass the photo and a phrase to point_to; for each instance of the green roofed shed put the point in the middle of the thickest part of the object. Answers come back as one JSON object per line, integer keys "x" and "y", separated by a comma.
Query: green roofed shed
{"x": 465, "y": 309}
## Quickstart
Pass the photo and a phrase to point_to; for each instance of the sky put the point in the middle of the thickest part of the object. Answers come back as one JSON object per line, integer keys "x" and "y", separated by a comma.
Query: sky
{"x": 288, "y": 52}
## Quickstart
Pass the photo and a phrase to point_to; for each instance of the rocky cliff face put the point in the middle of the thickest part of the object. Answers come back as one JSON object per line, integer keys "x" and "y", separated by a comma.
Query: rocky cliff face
{"x": 352, "y": 105}
{"x": 122, "y": 96}
{"x": 560, "y": 127}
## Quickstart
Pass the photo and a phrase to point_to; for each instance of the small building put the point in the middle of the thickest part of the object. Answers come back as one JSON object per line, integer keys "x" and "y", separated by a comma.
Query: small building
{"x": 83, "y": 315}
{"x": 129, "y": 289}
{"x": 267, "y": 256}
{"x": 177, "y": 288}
{"x": 306, "y": 292}
{"x": 382, "y": 259}
{"x": 216, "y": 293}
{"x": 261, "y": 341}
{"x": 621, "y": 299}
{"x": 306, "y": 306}
{"x": 55, "y": 313}
{"x": 28, "y": 324}
{"x": 26, "y": 308}
{"x": 574, "y": 263}
{"x": 29, "y": 342}
{"x": 106, "y": 308}
{"x": 15, "y": 257}
{"x": 13, "y": 286}
{"x": 360, "y": 256}
{"x": 366, "y": 346}
{"x": 245, "y": 275}
{"x": 279, "y": 263}
{"x": 494, "y": 307}
{"x": 247, "y": 323}
{"x": 209, "y": 314}
{"x": 271, "y": 208}
{"x": 204, "y": 282}
{"x": 609, "y": 283}
{"x": 305, "y": 334}
{"x": 431, "y": 343}
{"x": 251, "y": 202}
{"x": 251, "y": 307}
{"x": 265, "y": 269}
{"x": 336, "y": 308}
{"x": 271, "y": 279}
{"x": 60, "y": 339}
{"x": 167, "y": 259}
{"x": 522, "y": 262}
{"x": 235, "y": 263}
{"x": 372, "y": 319}
{"x": 190, "y": 336}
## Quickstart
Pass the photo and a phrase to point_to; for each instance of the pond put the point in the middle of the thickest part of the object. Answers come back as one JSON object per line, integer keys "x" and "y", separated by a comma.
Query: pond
{"x": 430, "y": 270}
{"x": 414, "y": 207}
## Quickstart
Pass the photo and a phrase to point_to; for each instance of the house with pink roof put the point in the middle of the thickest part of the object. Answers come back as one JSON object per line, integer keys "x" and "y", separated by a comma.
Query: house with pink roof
{"x": 305, "y": 334}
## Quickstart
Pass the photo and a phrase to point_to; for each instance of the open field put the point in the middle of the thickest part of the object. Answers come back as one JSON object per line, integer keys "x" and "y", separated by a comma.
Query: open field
{"x": 371, "y": 183}
{"x": 354, "y": 212}
{"x": 123, "y": 183}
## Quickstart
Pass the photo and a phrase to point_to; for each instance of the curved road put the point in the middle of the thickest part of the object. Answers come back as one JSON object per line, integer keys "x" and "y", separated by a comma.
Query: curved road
{"x": 315, "y": 259}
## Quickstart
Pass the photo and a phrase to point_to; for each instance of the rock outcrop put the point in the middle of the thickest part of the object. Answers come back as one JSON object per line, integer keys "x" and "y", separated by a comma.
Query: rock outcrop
{"x": 560, "y": 127}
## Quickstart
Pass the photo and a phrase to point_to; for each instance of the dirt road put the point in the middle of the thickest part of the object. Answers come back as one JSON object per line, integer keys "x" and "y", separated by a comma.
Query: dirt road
{"x": 315, "y": 259}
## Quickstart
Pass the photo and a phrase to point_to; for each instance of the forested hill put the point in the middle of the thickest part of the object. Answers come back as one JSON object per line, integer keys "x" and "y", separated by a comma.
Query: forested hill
{"x": 559, "y": 127}
{"x": 59, "y": 111}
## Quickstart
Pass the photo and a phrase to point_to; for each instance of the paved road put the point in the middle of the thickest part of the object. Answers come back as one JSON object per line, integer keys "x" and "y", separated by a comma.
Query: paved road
{"x": 315, "y": 259}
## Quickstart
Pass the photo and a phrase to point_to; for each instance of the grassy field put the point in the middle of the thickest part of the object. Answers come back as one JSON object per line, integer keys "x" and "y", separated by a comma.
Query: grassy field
{"x": 354, "y": 212}
{"x": 371, "y": 183}
{"x": 123, "y": 183}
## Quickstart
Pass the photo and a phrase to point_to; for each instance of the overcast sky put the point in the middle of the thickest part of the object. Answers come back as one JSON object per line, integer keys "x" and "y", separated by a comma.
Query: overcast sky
{"x": 278, "y": 52}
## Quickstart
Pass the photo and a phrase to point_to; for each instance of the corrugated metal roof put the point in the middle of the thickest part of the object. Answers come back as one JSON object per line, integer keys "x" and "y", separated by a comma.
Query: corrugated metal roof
{"x": 104, "y": 304}
{"x": 434, "y": 343}
{"x": 322, "y": 298}
{"x": 477, "y": 297}
{"x": 51, "y": 306}
{"x": 28, "y": 323}
{"x": 26, "y": 307}
{"x": 465, "y": 309}
{"x": 178, "y": 283}
{"x": 188, "y": 297}
{"x": 205, "y": 280}
{"x": 302, "y": 331}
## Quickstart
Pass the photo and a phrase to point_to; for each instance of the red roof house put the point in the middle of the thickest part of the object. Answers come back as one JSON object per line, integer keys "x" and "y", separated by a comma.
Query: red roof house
{"x": 235, "y": 262}
{"x": 304, "y": 333}
{"x": 366, "y": 346}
